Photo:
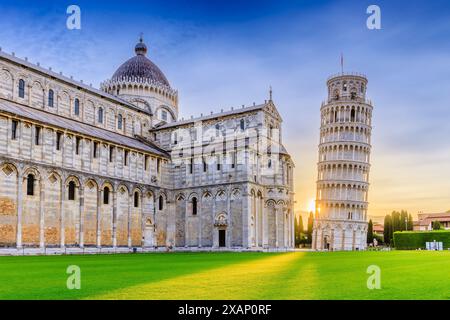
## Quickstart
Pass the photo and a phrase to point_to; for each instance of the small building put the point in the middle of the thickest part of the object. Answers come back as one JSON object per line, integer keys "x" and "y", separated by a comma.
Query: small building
{"x": 425, "y": 221}
{"x": 378, "y": 229}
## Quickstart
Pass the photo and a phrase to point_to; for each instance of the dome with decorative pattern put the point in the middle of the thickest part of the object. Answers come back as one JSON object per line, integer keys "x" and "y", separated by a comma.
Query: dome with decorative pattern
{"x": 141, "y": 68}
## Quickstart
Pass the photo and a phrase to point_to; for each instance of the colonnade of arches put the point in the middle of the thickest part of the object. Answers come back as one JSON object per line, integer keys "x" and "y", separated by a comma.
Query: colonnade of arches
{"x": 341, "y": 210}
{"x": 339, "y": 236}
{"x": 271, "y": 222}
{"x": 345, "y": 133}
{"x": 339, "y": 151}
{"x": 342, "y": 191}
{"x": 51, "y": 209}
{"x": 339, "y": 114}
{"x": 339, "y": 171}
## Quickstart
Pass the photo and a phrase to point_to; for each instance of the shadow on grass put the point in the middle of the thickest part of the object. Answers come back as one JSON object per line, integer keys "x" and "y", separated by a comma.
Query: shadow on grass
{"x": 44, "y": 277}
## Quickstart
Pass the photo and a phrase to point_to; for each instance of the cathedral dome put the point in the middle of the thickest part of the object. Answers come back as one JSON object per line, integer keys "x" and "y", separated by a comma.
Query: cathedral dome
{"x": 140, "y": 67}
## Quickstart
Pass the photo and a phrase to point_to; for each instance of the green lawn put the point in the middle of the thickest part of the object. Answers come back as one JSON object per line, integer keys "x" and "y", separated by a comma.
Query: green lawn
{"x": 300, "y": 275}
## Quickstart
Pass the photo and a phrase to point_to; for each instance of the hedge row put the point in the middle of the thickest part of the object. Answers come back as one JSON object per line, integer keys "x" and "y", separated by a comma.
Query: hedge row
{"x": 411, "y": 240}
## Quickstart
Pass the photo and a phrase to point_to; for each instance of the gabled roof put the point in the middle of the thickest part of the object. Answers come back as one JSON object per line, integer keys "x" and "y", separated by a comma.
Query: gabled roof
{"x": 267, "y": 105}
{"x": 74, "y": 126}
{"x": 211, "y": 116}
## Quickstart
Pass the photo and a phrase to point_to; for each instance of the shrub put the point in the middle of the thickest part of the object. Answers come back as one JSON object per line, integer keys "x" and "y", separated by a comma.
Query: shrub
{"x": 411, "y": 240}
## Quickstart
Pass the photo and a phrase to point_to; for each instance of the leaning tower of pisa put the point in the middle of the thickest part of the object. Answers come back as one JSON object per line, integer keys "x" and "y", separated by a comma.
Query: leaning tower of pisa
{"x": 343, "y": 167}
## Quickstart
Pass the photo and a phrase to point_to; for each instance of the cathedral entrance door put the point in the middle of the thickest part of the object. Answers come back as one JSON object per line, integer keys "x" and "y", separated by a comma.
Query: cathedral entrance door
{"x": 148, "y": 236}
{"x": 222, "y": 236}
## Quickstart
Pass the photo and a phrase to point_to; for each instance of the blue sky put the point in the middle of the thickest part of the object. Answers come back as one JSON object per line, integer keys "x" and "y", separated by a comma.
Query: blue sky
{"x": 220, "y": 54}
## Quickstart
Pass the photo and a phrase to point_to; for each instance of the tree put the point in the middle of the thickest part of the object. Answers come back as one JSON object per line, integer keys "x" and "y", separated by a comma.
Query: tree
{"x": 298, "y": 230}
{"x": 309, "y": 230}
{"x": 410, "y": 223}
{"x": 436, "y": 225}
{"x": 403, "y": 220}
{"x": 387, "y": 233}
{"x": 370, "y": 232}
{"x": 396, "y": 226}
{"x": 300, "y": 224}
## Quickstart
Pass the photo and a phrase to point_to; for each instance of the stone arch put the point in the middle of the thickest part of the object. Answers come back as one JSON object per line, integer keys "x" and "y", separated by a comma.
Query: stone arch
{"x": 6, "y": 83}
{"x": 64, "y": 107}
{"x": 91, "y": 202}
{"x": 166, "y": 108}
{"x": 220, "y": 195}
{"x": 37, "y": 95}
{"x": 8, "y": 203}
{"x": 52, "y": 208}
{"x": 122, "y": 219}
{"x": 32, "y": 195}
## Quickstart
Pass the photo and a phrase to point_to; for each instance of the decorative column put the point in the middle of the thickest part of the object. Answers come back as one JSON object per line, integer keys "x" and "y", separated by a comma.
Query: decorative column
{"x": 215, "y": 230}
{"x": 186, "y": 217}
{"x": 275, "y": 208}
{"x": 81, "y": 231}
{"x": 41, "y": 214}
{"x": 114, "y": 235}
{"x": 332, "y": 240}
{"x": 265, "y": 228}
{"x": 285, "y": 229}
{"x": 141, "y": 206}
{"x": 229, "y": 230}
{"x": 130, "y": 207}
{"x": 99, "y": 202}
{"x": 314, "y": 239}
{"x": 61, "y": 214}
{"x": 256, "y": 210}
{"x": 292, "y": 227}
{"x": 19, "y": 210}
{"x": 353, "y": 239}
{"x": 199, "y": 214}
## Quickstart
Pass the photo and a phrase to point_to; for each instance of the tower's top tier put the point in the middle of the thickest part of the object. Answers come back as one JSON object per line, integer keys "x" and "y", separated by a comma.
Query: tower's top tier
{"x": 347, "y": 86}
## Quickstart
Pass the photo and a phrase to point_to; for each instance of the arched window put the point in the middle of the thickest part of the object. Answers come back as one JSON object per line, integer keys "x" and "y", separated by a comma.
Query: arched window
{"x": 30, "y": 185}
{"x": 217, "y": 130}
{"x": 76, "y": 108}
{"x": 161, "y": 203}
{"x": 119, "y": 122}
{"x": 194, "y": 206}
{"x": 336, "y": 94}
{"x": 352, "y": 115}
{"x": 51, "y": 95}
{"x": 164, "y": 115}
{"x": 106, "y": 195}
{"x": 100, "y": 115}
{"x": 136, "y": 199}
{"x": 21, "y": 88}
{"x": 71, "y": 194}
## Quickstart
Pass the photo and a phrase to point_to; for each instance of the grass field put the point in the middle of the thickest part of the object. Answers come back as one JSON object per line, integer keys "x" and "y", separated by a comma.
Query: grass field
{"x": 299, "y": 275}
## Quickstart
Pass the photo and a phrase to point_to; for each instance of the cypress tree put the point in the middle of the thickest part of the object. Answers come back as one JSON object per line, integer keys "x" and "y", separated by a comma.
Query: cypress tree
{"x": 403, "y": 220}
{"x": 395, "y": 223}
{"x": 410, "y": 223}
{"x": 310, "y": 227}
{"x": 370, "y": 232}
{"x": 301, "y": 228}
{"x": 387, "y": 229}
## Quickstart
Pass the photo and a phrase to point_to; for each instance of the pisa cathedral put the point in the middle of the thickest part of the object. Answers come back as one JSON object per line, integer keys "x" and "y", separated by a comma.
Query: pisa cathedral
{"x": 116, "y": 168}
{"x": 343, "y": 167}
